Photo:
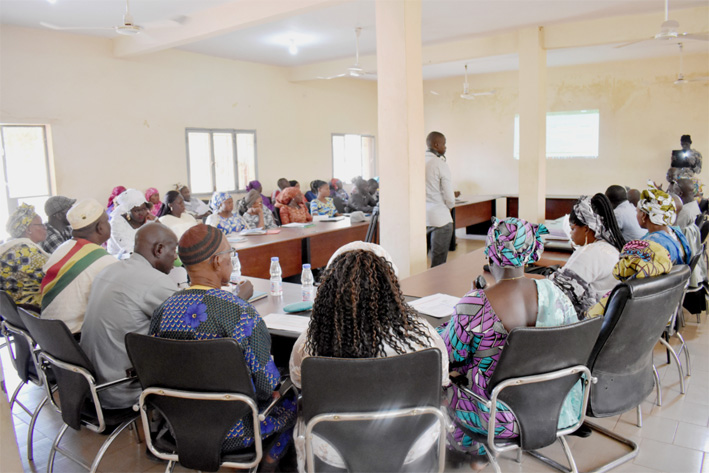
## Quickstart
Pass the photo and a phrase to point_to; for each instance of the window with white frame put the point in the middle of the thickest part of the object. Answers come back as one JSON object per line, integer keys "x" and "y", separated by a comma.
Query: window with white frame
{"x": 352, "y": 156}
{"x": 569, "y": 134}
{"x": 223, "y": 160}
{"x": 24, "y": 173}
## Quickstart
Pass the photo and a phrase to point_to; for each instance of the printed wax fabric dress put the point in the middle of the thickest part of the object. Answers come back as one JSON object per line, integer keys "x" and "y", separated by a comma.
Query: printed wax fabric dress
{"x": 202, "y": 313}
{"x": 21, "y": 273}
{"x": 474, "y": 338}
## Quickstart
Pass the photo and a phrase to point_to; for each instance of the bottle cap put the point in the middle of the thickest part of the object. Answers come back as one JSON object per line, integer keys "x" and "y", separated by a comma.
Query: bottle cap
{"x": 306, "y": 266}
{"x": 274, "y": 258}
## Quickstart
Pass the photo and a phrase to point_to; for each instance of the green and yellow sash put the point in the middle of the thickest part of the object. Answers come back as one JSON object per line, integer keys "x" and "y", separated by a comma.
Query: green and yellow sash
{"x": 64, "y": 271}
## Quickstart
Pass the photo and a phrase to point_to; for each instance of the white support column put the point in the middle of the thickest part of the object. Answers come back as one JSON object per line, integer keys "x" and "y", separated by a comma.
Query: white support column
{"x": 532, "y": 124}
{"x": 401, "y": 134}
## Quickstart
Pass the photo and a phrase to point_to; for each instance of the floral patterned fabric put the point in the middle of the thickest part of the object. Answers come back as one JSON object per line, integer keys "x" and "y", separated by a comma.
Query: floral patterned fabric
{"x": 318, "y": 207}
{"x": 229, "y": 225}
{"x": 21, "y": 272}
{"x": 203, "y": 313}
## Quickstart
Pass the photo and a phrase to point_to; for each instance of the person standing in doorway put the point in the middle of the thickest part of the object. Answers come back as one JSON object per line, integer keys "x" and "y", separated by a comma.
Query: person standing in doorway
{"x": 440, "y": 198}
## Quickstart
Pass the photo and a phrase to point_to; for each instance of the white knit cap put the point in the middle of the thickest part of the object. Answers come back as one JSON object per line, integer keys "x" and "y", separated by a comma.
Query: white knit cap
{"x": 84, "y": 213}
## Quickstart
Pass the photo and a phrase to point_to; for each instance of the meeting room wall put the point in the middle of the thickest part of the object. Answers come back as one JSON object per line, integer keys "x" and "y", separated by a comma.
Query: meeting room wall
{"x": 642, "y": 116}
{"x": 121, "y": 121}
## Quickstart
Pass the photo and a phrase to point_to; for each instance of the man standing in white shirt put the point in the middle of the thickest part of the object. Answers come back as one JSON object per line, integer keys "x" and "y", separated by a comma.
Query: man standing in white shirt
{"x": 440, "y": 198}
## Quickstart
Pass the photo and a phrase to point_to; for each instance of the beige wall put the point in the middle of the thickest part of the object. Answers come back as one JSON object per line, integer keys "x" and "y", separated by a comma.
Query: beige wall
{"x": 642, "y": 116}
{"x": 122, "y": 121}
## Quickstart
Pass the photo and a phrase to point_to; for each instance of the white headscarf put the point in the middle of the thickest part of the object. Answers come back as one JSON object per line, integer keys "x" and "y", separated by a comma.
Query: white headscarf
{"x": 371, "y": 247}
{"x": 126, "y": 200}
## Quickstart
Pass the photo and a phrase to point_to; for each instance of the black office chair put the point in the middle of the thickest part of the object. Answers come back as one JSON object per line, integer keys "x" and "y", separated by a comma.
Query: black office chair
{"x": 534, "y": 375}
{"x": 202, "y": 388}
{"x": 372, "y": 410}
{"x": 621, "y": 359}
{"x": 79, "y": 404}
{"x": 372, "y": 229}
{"x": 23, "y": 354}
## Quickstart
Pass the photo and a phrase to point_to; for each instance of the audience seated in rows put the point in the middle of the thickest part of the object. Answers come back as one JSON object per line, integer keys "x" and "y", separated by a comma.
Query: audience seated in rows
{"x": 481, "y": 322}
{"x": 360, "y": 199}
{"x": 282, "y": 184}
{"x": 123, "y": 299}
{"x": 254, "y": 185}
{"x": 625, "y": 213}
{"x": 174, "y": 216}
{"x": 337, "y": 190}
{"x": 72, "y": 268}
{"x": 639, "y": 259}
{"x": 127, "y": 217}
{"x": 690, "y": 207}
{"x": 223, "y": 218}
{"x": 204, "y": 311}
{"x": 360, "y": 312}
{"x": 656, "y": 213}
{"x": 256, "y": 214}
{"x": 194, "y": 207}
{"x": 291, "y": 207}
{"x": 58, "y": 228}
{"x": 322, "y": 204}
{"x": 153, "y": 197}
{"x": 22, "y": 259}
{"x": 588, "y": 274}
{"x": 313, "y": 191}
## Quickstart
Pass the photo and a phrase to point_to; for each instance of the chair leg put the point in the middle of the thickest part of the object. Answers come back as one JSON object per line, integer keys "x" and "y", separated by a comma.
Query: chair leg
{"x": 30, "y": 431}
{"x": 493, "y": 461}
{"x": 685, "y": 348}
{"x": 679, "y": 363}
{"x": 107, "y": 444}
{"x": 658, "y": 385}
{"x": 519, "y": 455}
{"x": 569, "y": 456}
{"x": 14, "y": 400}
{"x": 170, "y": 467}
{"x": 639, "y": 421}
{"x": 666, "y": 337}
{"x": 53, "y": 451}
{"x": 634, "y": 449}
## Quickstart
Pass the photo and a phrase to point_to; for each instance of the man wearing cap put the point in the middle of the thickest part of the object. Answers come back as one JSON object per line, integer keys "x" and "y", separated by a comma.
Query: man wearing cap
{"x": 122, "y": 300}
{"x": 71, "y": 269}
{"x": 58, "y": 229}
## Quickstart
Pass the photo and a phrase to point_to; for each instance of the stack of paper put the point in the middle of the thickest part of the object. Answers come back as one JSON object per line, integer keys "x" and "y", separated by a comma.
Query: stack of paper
{"x": 286, "y": 322}
{"x": 298, "y": 225}
{"x": 437, "y": 305}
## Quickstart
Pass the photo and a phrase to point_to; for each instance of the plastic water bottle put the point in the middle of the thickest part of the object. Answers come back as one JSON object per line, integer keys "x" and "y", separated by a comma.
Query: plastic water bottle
{"x": 307, "y": 283}
{"x": 236, "y": 271}
{"x": 276, "y": 280}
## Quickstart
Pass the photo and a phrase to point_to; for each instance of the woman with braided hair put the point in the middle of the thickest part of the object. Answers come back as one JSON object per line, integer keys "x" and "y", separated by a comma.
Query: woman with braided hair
{"x": 360, "y": 312}
{"x": 588, "y": 274}
{"x": 477, "y": 331}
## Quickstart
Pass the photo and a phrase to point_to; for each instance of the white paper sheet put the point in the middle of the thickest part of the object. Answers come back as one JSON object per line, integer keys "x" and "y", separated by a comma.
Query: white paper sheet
{"x": 436, "y": 305}
{"x": 289, "y": 323}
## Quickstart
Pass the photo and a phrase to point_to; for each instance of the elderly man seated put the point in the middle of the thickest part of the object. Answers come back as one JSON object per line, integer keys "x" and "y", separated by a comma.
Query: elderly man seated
{"x": 122, "y": 300}
{"x": 204, "y": 311}
{"x": 72, "y": 267}
{"x": 58, "y": 227}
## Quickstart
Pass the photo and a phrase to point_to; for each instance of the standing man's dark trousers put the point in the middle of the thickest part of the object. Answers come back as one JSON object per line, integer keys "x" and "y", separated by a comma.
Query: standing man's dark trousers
{"x": 440, "y": 241}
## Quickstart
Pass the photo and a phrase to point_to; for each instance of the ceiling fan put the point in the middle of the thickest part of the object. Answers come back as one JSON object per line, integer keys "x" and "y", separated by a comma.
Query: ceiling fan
{"x": 680, "y": 77}
{"x": 466, "y": 91}
{"x": 669, "y": 31}
{"x": 128, "y": 28}
{"x": 355, "y": 70}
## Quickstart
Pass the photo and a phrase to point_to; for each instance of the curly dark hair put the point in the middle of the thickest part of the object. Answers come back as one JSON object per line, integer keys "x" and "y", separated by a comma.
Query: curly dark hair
{"x": 359, "y": 309}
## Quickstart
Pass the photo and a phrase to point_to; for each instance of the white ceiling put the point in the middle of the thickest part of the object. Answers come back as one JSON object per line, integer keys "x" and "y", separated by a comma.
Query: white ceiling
{"x": 328, "y": 33}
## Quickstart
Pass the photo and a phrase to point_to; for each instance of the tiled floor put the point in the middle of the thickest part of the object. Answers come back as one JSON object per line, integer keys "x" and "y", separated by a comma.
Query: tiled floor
{"x": 674, "y": 438}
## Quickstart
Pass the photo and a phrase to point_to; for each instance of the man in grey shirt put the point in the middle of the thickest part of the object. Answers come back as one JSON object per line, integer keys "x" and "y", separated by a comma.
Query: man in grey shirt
{"x": 625, "y": 213}
{"x": 123, "y": 298}
{"x": 440, "y": 198}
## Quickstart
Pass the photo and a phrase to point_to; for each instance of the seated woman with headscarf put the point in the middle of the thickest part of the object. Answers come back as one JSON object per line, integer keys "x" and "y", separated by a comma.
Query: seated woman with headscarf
{"x": 588, "y": 274}
{"x": 256, "y": 215}
{"x": 254, "y": 185}
{"x": 223, "y": 218}
{"x": 481, "y": 322}
{"x": 336, "y": 190}
{"x": 291, "y": 207}
{"x": 152, "y": 196}
{"x": 127, "y": 217}
{"x": 118, "y": 190}
{"x": 21, "y": 258}
{"x": 174, "y": 216}
{"x": 656, "y": 213}
{"x": 363, "y": 275}
{"x": 204, "y": 311}
{"x": 639, "y": 259}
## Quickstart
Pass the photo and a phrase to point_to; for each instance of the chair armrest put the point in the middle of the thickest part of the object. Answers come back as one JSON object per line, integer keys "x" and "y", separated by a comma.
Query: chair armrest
{"x": 286, "y": 386}
{"x": 470, "y": 393}
{"x": 110, "y": 384}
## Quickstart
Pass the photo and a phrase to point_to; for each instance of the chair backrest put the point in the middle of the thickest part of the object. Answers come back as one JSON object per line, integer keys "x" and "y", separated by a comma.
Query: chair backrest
{"x": 365, "y": 385}
{"x": 20, "y": 349}
{"x": 56, "y": 340}
{"x": 530, "y": 351}
{"x": 694, "y": 260}
{"x": 703, "y": 228}
{"x": 372, "y": 230}
{"x": 636, "y": 315}
{"x": 207, "y": 366}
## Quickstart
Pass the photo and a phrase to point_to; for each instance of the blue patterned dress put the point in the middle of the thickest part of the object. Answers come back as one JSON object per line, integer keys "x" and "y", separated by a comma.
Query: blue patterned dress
{"x": 323, "y": 208}
{"x": 233, "y": 224}
{"x": 201, "y": 313}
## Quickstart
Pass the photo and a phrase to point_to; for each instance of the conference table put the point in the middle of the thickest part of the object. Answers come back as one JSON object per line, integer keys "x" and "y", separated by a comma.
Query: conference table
{"x": 295, "y": 246}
